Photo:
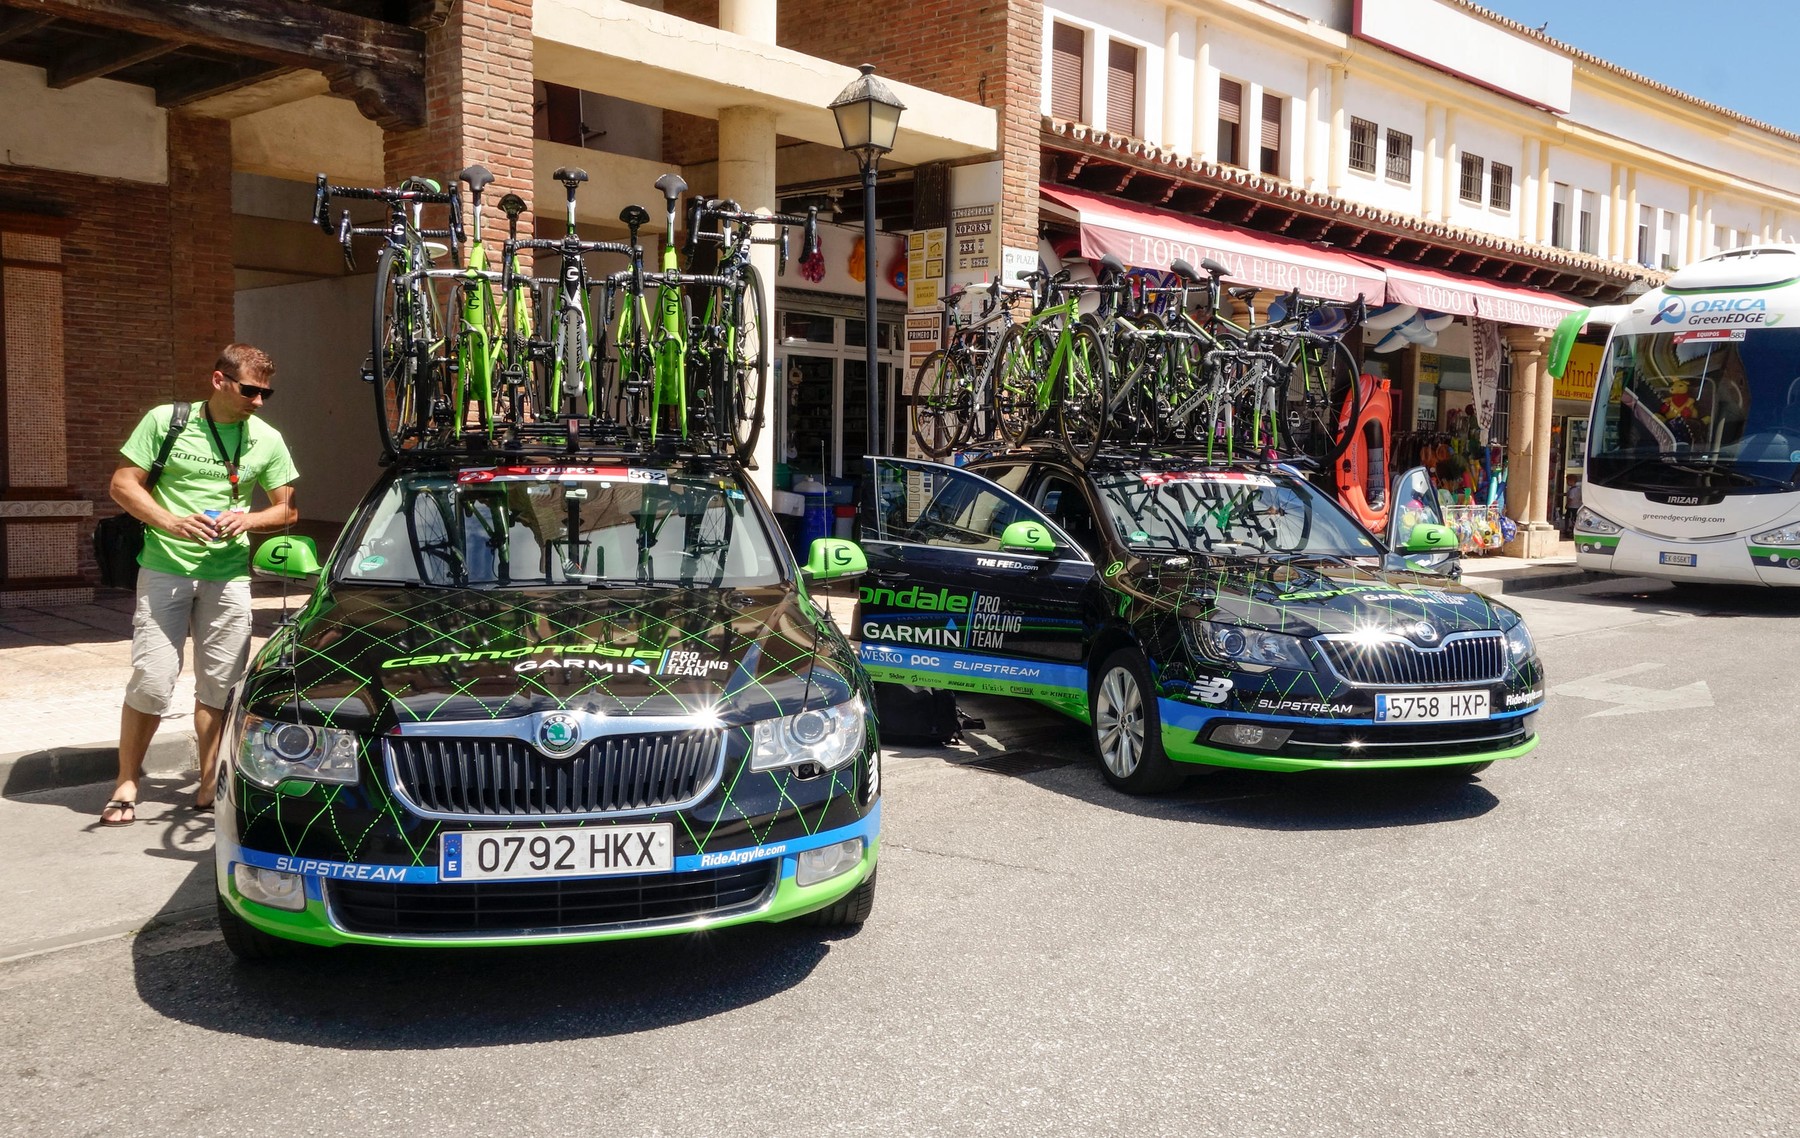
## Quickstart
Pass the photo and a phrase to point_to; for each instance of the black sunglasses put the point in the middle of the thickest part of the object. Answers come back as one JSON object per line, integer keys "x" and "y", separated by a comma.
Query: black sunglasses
{"x": 251, "y": 391}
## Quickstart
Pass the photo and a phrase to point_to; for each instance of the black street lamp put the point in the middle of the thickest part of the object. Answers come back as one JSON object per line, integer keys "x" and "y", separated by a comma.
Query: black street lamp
{"x": 868, "y": 118}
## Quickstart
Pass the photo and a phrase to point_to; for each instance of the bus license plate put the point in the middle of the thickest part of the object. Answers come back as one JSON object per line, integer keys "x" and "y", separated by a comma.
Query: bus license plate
{"x": 570, "y": 851}
{"x": 1687, "y": 559}
{"x": 1430, "y": 707}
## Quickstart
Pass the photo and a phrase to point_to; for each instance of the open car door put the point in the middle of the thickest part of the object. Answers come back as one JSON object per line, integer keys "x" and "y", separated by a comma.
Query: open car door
{"x": 971, "y": 588}
{"x": 1414, "y": 503}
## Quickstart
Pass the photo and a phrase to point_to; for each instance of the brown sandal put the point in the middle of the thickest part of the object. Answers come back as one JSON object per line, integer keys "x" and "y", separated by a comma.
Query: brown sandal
{"x": 122, "y": 807}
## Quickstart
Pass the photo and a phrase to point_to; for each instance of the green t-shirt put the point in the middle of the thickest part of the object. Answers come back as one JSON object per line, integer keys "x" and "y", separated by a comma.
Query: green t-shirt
{"x": 195, "y": 480}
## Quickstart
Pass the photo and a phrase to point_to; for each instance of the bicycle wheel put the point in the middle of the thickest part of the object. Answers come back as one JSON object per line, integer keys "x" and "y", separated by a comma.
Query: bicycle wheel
{"x": 747, "y": 366}
{"x": 1024, "y": 353}
{"x": 943, "y": 402}
{"x": 399, "y": 410}
{"x": 1083, "y": 387}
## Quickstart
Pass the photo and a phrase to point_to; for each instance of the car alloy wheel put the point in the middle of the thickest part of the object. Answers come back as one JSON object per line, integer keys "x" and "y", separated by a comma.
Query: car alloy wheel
{"x": 1119, "y": 721}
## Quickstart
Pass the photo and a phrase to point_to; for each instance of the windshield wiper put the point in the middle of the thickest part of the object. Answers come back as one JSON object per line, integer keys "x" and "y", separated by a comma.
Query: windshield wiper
{"x": 1719, "y": 466}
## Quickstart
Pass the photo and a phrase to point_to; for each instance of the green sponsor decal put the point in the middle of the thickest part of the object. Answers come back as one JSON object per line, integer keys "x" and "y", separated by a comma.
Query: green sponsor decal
{"x": 917, "y": 599}
{"x": 1595, "y": 543}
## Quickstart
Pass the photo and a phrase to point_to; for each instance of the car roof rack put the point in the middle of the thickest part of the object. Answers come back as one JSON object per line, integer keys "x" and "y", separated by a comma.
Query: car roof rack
{"x": 557, "y": 452}
{"x": 1149, "y": 457}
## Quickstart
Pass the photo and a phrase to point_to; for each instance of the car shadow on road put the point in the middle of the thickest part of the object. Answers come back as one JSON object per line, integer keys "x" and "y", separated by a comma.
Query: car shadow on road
{"x": 356, "y": 998}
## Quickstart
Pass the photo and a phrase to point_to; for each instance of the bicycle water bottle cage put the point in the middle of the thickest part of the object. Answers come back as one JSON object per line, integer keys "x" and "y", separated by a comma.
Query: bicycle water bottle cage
{"x": 672, "y": 186}
{"x": 512, "y": 205}
{"x": 634, "y": 216}
{"x": 570, "y": 176}
{"x": 477, "y": 177}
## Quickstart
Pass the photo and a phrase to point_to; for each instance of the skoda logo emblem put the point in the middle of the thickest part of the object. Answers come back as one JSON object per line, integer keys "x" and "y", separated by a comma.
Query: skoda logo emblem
{"x": 1425, "y": 632}
{"x": 559, "y": 735}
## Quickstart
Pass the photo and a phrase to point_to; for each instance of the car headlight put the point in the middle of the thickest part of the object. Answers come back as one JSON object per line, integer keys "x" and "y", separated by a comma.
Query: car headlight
{"x": 1587, "y": 521}
{"x": 1518, "y": 642}
{"x": 1232, "y": 644}
{"x": 1786, "y": 535}
{"x": 270, "y": 752}
{"x": 828, "y": 737}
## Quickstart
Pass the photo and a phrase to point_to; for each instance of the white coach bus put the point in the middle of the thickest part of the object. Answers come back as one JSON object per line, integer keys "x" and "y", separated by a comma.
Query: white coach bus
{"x": 1694, "y": 440}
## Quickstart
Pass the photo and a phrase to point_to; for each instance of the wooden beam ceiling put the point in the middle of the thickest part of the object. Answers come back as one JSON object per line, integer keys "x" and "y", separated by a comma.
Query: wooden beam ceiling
{"x": 103, "y": 57}
{"x": 378, "y": 64}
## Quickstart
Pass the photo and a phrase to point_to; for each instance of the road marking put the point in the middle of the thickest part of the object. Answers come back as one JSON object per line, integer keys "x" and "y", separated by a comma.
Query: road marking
{"x": 1630, "y": 700}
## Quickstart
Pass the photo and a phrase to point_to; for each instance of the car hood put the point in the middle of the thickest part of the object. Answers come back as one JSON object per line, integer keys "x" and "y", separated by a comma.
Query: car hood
{"x": 1309, "y": 597}
{"x": 365, "y": 658}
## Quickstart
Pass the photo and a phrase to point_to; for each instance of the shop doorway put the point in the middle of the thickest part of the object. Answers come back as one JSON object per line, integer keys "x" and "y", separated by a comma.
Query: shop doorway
{"x": 822, "y": 394}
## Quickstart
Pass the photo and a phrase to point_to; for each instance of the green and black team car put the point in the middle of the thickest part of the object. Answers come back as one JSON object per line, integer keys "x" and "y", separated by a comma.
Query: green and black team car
{"x": 1190, "y": 613}
{"x": 549, "y": 703}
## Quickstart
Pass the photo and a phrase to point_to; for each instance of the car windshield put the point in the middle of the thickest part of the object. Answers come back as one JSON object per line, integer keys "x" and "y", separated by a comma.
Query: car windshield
{"x": 1227, "y": 511}
{"x": 518, "y": 527}
{"x": 1714, "y": 408}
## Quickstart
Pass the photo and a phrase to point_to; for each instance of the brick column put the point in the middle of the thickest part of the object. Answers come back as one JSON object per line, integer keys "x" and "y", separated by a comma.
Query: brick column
{"x": 478, "y": 103}
{"x": 1021, "y": 124}
{"x": 1528, "y": 445}
{"x": 202, "y": 286}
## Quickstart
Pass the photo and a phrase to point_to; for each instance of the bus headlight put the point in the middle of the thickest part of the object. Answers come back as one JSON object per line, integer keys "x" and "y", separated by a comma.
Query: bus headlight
{"x": 1587, "y": 521}
{"x": 269, "y": 753}
{"x": 1786, "y": 535}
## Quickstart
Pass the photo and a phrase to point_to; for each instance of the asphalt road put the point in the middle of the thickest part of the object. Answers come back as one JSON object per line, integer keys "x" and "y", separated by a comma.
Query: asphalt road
{"x": 1599, "y": 939}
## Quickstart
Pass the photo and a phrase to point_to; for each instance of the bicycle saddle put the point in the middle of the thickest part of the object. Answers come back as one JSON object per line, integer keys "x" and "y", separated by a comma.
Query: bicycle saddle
{"x": 1213, "y": 268}
{"x": 512, "y": 205}
{"x": 1184, "y": 270}
{"x": 634, "y": 215}
{"x": 570, "y": 176}
{"x": 478, "y": 178}
{"x": 1112, "y": 264}
{"x": 1247, "y": 293}
{"x": 672, "y": 185}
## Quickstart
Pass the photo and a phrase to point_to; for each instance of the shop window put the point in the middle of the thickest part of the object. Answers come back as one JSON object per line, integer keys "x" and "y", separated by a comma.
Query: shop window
{"x": 1363, "y": 134}
{"x": 1500, "y": 186}
{"x": 1399, "y": 156}
{"x": 1473, "y": 167}
{"x": 1270, "y": 152}
{"x": 1068, "y": 62}
{"x": 805, "y": 328}
{"x": 1121, "y": 89}
{"x": 1231, "y": 117}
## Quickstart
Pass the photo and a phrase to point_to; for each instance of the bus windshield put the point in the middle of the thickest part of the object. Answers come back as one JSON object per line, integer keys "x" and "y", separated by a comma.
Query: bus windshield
{"x": 524, "y": 527}
{"x": 1714, "y": 409}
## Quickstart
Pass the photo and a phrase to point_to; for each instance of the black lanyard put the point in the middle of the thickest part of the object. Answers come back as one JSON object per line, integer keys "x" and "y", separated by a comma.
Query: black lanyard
{"x": 231, "y": 461}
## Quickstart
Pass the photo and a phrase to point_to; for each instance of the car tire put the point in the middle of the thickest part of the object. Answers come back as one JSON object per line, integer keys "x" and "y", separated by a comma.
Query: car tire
{"x": 850, "y": 910}
{"x": 249, "y": 943}
{"x": 1126, "y": 728}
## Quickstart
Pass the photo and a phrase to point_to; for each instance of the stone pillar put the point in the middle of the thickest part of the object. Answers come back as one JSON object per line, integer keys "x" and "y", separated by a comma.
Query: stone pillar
{"x": 1337, "y": 165}
{"x": 747, "y": 176}
{"x": 1528, "y": 460}
{"x": 1206, "y": 97}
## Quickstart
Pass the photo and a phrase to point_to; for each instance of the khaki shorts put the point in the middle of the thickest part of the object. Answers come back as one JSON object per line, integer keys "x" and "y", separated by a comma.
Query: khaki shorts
{"x": 169, "y": 609}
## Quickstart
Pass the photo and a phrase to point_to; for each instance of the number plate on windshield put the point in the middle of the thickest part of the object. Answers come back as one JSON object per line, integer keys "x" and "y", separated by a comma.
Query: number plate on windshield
{"x": 588, "y": 851}
{"x": 1430, "y": 707}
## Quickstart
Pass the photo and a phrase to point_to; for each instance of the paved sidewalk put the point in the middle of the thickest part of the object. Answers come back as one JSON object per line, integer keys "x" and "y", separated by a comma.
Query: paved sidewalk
{"x": 1496, "y": 576}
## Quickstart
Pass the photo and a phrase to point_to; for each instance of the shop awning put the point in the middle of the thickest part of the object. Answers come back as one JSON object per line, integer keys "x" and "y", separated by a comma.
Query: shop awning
{"x": 1466, "y": 296}
{"x": 1152, "y": 238}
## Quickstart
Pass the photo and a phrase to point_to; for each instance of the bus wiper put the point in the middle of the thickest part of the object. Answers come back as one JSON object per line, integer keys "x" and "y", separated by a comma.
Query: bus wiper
{"x": 1750, "y": 477}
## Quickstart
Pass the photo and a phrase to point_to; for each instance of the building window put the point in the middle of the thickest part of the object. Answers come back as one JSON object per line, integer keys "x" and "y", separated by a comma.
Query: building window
{"x": 1587, "y": 233}
{"x": 1559, "y": 216}
{"x": 1231, "y": 117}
{"x": 1121, "y": 89}
{"x": 1399, "y": 156}
{"x": 1473, "y": 166}
{"x": 1500, "y": 185}
{"x": 1646, "y": 241}
{"x": 1362, "y": 145}
{"x": 1671, "y": 241}
{"x": 1270, "y": 155}
{"x": 1068, "y": 59}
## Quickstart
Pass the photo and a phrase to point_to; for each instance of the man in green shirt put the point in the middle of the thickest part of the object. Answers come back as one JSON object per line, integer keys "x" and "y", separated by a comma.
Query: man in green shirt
{"x": 194, "y": 573}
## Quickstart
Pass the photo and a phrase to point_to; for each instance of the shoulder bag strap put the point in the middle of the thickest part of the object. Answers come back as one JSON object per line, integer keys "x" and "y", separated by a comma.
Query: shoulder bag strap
{"x": 178, "y": 418}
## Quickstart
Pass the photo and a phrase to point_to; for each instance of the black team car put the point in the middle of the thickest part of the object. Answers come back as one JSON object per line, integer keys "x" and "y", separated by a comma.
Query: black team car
{"x": 1230, "y": 615}
{"x": 549, "y": 703}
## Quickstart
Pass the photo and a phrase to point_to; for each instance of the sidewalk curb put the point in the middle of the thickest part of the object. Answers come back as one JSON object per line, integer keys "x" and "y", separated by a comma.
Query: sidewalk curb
{"x": 1528, "y": 580}
{"x": 24, "y": 772}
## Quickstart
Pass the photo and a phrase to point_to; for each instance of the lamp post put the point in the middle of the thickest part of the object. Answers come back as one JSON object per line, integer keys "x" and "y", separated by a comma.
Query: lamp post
{"x": 868, "y": 118}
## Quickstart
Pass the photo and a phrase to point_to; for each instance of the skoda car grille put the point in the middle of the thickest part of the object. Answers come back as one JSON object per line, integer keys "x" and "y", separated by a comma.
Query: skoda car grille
{"x": 476, "y": 778}
{"x": 1390, "y": 660}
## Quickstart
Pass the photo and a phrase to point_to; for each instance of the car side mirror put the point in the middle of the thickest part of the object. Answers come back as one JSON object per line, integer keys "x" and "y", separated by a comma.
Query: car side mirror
{"x": 831, "y": 558}
{"x": 1431, "y": 538}
{"x": 289, "y": 555}
{"x": 1026, "y": 537}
